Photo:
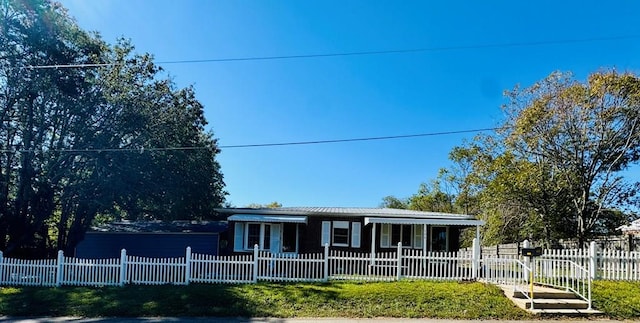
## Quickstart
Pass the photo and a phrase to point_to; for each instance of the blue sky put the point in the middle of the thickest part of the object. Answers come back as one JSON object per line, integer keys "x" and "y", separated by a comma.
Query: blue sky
{"x": 264, "y": 101}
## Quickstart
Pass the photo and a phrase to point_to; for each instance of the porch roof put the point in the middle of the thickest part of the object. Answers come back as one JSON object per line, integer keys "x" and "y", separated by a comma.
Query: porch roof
{"x": 268, "y": 218}
{"x": 464, "y": 222}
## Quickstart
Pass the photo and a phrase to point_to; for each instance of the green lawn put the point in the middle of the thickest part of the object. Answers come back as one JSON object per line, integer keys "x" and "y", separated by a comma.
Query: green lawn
{"x": 620, "y": 300}
{"x": 391, "y": 299}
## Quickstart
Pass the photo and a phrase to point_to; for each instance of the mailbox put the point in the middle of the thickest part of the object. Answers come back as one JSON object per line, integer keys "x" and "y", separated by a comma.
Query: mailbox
{"x": 532, "y": 252}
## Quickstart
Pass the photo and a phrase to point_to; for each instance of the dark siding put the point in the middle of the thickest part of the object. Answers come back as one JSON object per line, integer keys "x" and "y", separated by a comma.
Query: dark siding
{"x": 310, "y": 240}
{"x": 109, "y": 244}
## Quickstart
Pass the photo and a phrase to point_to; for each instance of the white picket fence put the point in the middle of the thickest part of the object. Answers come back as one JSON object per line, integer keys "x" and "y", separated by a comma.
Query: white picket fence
{"x": 317, "y": 267}
{"x": 261, "y": 266}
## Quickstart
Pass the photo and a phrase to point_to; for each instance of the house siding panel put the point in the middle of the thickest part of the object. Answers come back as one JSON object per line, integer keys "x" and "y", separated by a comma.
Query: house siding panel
{"x": 109, "y": 244}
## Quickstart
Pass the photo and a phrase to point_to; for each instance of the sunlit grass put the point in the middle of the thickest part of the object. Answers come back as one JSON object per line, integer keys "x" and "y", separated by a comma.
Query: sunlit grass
{"x": 619, "y": 300}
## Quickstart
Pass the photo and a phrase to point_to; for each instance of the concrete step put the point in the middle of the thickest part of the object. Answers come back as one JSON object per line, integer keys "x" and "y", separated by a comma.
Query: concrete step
{"x": 545, "y": 293}
{"x": 558, "y": 303}
{"x": 550, "y": 301}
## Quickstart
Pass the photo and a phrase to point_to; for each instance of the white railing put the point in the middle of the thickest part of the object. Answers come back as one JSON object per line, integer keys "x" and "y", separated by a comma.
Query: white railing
{"x": 563, "y": 274}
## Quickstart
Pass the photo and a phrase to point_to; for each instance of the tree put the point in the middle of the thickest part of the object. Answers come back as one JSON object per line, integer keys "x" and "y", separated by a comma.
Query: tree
{"x": 272, "y": 205}
{"x": 115, "y": 141}
{"x": 583, "y": 135}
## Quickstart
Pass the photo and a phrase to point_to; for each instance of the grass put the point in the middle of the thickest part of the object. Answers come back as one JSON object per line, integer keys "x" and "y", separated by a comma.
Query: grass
{"x": 619, "y": 300}
{"x": 408, "y": 299}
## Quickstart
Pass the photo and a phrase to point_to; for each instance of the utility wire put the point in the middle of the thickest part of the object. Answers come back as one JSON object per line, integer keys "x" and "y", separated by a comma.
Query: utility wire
{"x": 360, "y": 53}
{"x": 359, "y": 139}
{"x": 293, "y": 143}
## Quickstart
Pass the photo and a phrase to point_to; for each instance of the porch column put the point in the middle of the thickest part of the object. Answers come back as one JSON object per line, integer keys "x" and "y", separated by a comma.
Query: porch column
{"x": 373, "y": 243}
{"x": 424, "y": 240}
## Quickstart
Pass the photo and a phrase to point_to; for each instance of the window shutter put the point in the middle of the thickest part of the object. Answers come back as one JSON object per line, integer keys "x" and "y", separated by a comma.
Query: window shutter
{"x": 238, "y": 237}
{"x": 326, "y": 232}
{"x": 385, "y": 235}
{"x": 355, "y": 234}
{"x": 417, "y": 236}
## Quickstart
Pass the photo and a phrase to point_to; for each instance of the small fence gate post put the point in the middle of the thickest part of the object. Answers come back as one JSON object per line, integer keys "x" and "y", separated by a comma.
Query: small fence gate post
{"x": 475, "y": 262}
{"x": 123, "y": 267}
{"x": 399, "y": 273}
{"x": 187, "y": 269}
{"x": 326, "y": 262}
{"x": 593, "y": 259}
{"x": 527, "y": 262}
{"x": 59, "y": 268}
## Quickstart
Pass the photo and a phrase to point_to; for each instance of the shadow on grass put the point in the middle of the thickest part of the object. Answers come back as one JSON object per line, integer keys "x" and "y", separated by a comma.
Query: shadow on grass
{"x": 255, "y": 300}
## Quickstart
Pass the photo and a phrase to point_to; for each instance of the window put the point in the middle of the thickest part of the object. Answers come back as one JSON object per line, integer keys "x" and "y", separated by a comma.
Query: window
{"x": 439, "y": 238}
{"x": 341, "y": 233}
{"x": 409, "y": 234}
{"x": 248, "y": 235}
{"x": 337, "y": 233}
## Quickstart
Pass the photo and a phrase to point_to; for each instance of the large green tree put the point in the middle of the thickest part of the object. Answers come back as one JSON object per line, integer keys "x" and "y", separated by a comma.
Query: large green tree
{"x": 112, "y": 140}
{"x": 555, "y": 170}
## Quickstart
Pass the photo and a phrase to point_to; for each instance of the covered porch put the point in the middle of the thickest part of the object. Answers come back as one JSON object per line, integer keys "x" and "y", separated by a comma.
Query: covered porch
{"x": 424, "y": 234}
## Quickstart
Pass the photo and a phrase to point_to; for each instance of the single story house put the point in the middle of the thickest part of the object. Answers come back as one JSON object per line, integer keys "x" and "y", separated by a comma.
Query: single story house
{"x": 307, "y": 229}
{"x": 152, "y": 239}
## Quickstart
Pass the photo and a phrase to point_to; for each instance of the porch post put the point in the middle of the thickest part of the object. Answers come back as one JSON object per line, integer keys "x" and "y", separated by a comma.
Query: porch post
{"x": 373, "y": 243}
{"x": 424, "y": 240}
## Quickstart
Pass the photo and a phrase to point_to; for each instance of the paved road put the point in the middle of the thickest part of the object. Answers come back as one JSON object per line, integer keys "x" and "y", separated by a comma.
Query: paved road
{"x": 261, "y": 320}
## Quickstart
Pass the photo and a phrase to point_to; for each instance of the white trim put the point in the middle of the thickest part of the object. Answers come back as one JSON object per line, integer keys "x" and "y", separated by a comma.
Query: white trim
{"x": 368, "y": 220}
{"x": 340, "y": 225}
{"x": 268, "y": 218}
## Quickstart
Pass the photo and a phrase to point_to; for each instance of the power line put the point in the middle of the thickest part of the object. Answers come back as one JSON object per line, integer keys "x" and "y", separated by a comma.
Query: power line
{"x": 292, "y": 143}
{"x": 359, "y": 53}
{"x": 359, "y": 139}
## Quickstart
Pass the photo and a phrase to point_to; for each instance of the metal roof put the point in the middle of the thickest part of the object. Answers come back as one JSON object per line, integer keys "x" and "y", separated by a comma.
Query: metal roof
{"x": 463, "y": 222}
{"x": 162, "y": 226}
{"x": 268, "y": 218}
{"x": 346, "y": 211}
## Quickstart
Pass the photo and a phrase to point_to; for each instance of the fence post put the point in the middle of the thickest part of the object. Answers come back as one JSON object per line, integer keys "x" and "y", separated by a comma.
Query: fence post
{"x": 187, "y": 270}
{"x": 123, "y": 266}
{"x": 593, "y": 259}
{"x": 1, "y": 267}
{"x": 255, "y": 263}
{"x": 399, "y": 273}
{"x": 60, "y": 268}
{"x": 326, "y": 262}
{"x": 527, "y": 262}
{"x": 475, "y": 263}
